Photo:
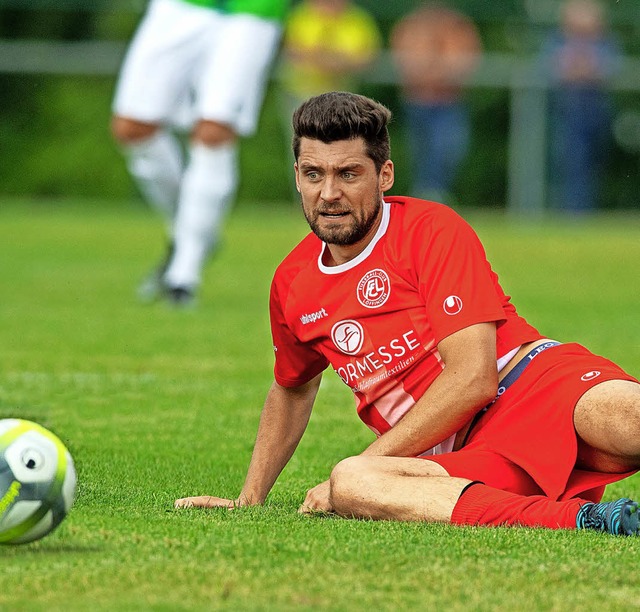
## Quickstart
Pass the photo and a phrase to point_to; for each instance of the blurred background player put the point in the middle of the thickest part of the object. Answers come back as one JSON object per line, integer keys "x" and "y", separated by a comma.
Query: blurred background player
{"x": 201, "y": 64}
{"x": 435, "y": 49}
{"x": 579, "y": 59}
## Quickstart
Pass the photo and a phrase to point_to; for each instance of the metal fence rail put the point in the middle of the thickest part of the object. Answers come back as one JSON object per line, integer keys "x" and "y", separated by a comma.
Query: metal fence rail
{"x": 526, "y": 172}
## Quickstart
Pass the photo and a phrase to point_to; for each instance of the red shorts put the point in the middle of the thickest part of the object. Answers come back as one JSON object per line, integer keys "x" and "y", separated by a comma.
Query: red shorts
{"x": 526, "y": 442}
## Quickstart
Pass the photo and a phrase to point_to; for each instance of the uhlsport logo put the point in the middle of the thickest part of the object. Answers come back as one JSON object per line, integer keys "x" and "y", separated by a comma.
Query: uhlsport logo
{"x": 348, "y": 336}
{"x": 312, "y": 317}
{"x": 374, "y": 288}
{"x": 590, "y": 376}
{"x": 452, "y": 305}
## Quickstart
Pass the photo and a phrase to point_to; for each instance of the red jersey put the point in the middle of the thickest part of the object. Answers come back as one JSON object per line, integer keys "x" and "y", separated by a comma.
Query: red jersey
{"x": 377, "y": 319}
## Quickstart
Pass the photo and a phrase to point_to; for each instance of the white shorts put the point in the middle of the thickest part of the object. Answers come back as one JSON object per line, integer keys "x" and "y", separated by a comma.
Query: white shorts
{"x": 187, "y": 63}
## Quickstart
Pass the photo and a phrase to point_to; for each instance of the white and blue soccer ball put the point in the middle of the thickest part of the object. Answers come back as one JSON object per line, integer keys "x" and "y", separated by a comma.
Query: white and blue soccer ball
{"x": 37, "y": 481}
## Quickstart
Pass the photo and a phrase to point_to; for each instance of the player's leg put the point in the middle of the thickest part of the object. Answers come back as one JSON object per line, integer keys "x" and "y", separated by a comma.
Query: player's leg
{"x": 451, "y": 135}
{"x": 394, "y": 488}
{"x": 418, "y": 119}
{"x": 483, "y": 505}
{"x": 408, "y": 489}
{"x": 207, "y": 188}
{"x": 230, "y": 96}
{"x": 154, "y": 160}
{"x": 607, "y": 422}
{"x": 153, "y": 87}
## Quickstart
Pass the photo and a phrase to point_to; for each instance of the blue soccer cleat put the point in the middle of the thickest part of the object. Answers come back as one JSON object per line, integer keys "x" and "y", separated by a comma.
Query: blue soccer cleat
{"x": 620, "y": 517}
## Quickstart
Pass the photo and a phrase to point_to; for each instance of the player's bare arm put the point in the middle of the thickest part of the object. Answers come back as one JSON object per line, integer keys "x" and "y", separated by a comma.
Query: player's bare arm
{"x": 283, "y": 421}
{"x": 467, "y": 384}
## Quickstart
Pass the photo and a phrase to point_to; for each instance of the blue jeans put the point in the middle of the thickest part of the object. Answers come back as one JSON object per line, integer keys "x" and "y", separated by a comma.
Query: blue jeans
{"x": 438, "y": 136}
{"x": 580, "y": 123}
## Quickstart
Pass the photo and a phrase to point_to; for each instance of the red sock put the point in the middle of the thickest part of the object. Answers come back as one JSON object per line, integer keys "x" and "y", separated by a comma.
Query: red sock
{"x": 483, "y": 505}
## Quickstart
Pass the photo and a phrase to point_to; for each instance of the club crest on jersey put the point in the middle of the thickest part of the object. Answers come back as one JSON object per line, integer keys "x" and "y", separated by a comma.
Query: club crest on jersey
{"x": 348, "y": 336}
{"x": 452, "y": 305}
{"x": 374, "y": 288}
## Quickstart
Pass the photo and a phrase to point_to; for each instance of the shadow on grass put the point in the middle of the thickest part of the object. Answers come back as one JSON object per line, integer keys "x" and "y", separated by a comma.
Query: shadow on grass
{"x": 48, "y": 549}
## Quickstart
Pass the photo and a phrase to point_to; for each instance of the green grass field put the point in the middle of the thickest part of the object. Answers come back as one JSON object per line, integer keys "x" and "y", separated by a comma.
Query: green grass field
{"x": 156, "y": 404}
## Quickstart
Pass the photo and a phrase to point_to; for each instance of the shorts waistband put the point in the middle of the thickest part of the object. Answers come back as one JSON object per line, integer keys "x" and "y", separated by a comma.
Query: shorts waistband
{"x": 510, "y": 378}
{"x": 514, "y": 374}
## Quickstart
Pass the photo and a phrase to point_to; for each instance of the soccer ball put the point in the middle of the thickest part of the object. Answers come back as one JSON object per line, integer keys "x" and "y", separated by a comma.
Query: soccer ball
{"x": 37, "y": 481}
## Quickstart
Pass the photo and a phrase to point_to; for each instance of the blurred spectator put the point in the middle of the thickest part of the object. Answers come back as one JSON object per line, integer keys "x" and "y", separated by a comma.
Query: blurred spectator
{"x": 435, "y": 49}
{"x": 579, "y": 59}
{"x": 327, "y": 45}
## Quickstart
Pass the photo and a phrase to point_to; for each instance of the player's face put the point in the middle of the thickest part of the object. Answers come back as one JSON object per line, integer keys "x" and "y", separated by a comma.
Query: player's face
{"x": 341, "y": 191}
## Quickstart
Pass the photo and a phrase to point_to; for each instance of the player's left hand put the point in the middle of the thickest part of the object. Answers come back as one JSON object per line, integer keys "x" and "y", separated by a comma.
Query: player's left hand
{"x": 317, "y": 500}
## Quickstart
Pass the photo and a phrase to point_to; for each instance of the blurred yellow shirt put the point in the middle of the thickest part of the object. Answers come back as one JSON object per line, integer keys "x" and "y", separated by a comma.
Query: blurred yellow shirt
{"x": 324, "y": 51}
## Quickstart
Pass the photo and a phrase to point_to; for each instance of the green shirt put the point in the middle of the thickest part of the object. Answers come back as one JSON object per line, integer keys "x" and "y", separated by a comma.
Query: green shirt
{"x": 269, "y": 9}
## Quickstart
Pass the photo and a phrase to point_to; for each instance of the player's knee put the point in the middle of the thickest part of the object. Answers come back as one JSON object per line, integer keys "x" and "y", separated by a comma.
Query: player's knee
{"x": 127, "y": 131}
{"x": 212, "y": 133}
{"x": 347, "y": 478}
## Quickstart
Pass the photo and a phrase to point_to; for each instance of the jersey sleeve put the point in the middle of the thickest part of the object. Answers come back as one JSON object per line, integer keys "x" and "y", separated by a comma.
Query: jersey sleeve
{"x": 296, "y": 363}
{"x": 455, "y": 279}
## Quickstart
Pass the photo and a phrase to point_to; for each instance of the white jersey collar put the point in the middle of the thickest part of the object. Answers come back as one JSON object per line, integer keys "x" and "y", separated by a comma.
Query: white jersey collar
{"x": 352, "y": 263}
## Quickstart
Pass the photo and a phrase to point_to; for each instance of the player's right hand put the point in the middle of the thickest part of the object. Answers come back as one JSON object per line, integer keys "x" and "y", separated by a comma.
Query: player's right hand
{"x": 206, "y": 501}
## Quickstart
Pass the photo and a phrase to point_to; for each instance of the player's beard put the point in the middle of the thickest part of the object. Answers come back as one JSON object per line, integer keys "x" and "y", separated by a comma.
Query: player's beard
{"x": 345, "y": 235}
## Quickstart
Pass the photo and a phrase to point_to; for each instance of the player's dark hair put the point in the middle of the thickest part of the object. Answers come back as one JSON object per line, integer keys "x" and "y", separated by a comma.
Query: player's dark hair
{"x": 340, "y": 115}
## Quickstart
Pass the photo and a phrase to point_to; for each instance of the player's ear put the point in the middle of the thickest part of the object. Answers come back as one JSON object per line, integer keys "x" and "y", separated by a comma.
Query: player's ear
{"x": 295, "y": 169}
{"x": 386, "y": 176}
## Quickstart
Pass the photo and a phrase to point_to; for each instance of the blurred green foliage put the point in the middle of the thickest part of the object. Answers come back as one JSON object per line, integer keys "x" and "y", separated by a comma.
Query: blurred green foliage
{"x": 54, "y": 130}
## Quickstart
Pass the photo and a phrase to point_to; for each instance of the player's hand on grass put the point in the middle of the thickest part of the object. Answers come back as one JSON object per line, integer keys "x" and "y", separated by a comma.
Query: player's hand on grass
{"x": 206, "y": 501}
{"x": 317, "y": 500}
